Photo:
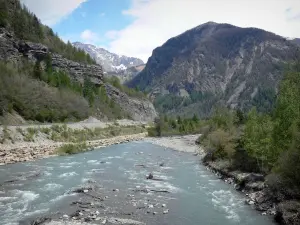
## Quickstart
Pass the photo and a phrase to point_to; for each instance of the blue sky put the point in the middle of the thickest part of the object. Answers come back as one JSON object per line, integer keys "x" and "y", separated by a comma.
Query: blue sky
{"x": 91, "y": 21}
{"x": 136, "y": 27}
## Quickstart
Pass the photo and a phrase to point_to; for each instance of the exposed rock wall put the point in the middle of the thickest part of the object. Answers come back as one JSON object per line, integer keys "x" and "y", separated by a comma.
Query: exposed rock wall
{"x": 138, "y": 109}
{"x": 12, "y": 49}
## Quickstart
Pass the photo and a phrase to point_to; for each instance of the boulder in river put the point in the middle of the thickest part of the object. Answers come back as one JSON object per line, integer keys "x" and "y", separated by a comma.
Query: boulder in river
{"x": 150, "y": 176}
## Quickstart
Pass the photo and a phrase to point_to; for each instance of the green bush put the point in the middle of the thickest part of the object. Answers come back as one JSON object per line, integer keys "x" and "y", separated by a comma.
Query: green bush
{"x": 70, "y": 149}
{"x": 222, "y": 142}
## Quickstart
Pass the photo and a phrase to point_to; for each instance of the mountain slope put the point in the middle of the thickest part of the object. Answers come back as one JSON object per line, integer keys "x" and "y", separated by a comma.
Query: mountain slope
{"x": 296, "y": 41}
{"x": 111, "y": 62}
{"x": 17, "y": 19}
{"x": 44, "y": 79}
{"x": 215, "y": 64}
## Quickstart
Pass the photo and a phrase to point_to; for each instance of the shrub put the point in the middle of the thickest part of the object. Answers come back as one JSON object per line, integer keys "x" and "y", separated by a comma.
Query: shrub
{"x": 45, "y": 130}
{"x": 222, "y": 142}
{"x": 70, "y": 149}
{"x": 35, "y": 100}
{"x": 6, "y": 135}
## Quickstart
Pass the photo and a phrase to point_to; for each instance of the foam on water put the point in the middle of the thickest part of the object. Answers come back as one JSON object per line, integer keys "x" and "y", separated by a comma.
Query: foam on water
{"x": 25, "y": 196}
{"x": 69, "y": 163}
{"x": 227, "y": 203}
{"x": 52, "y": 186}
{"x": 46, "y": 173}
{"x": 66, "y": 167}
{"x": 14, "y": 207}
{"x": 6, "y": 199}
{"x": 69, "y": 174}
{"x": 60, "y": 197}
{"x": 158, "y": 185}
{"x": 36, "y": 212}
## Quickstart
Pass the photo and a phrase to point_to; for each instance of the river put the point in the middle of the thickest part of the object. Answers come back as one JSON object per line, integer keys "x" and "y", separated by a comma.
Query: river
{"x": 186, "y": 194}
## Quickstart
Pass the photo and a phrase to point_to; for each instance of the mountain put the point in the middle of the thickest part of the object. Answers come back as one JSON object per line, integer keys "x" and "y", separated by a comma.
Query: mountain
{"x": 296, "y": 41}
{"x": 216, "y": 64}
{"x": 128, "y": 74}
{"x": 111, "y": 62}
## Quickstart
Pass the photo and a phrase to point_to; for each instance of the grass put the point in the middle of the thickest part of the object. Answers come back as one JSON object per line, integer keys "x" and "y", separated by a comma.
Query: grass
{"x": 65, "y": 134}
{"x": 21, "y": 131}
{"x": 62, "y": 133}
{"x": 29, "y": 135}
{"x": 6, "y": 135}
{"x": 45, "y": 130}
{"x": 70, "y": 149}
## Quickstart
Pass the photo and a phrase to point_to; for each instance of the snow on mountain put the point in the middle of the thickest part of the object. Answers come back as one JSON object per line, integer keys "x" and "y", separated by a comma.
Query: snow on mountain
{"x": 111, "y": 62}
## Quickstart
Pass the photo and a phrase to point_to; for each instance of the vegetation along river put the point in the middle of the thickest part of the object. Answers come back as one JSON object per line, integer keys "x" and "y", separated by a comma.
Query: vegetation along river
{"x": 109, "y": 186}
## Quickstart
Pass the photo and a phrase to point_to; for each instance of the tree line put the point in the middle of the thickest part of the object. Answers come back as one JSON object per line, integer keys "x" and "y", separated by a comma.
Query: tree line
{"x": 268, "y": 143}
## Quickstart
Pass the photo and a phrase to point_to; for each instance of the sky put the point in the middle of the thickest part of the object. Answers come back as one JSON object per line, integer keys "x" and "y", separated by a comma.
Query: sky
{"x": 136, "y": 27}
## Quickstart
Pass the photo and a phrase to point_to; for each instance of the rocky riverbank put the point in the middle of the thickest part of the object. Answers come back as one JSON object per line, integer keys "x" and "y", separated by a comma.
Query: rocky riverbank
{"x": 263, "y": 198}
{"x": 23, "y": 152}
{"x": 253, "y": 185}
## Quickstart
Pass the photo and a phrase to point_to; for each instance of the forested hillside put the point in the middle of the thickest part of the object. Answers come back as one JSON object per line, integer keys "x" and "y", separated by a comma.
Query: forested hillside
{"x": 40, "y": 80}
{"x": 26, "y": 26}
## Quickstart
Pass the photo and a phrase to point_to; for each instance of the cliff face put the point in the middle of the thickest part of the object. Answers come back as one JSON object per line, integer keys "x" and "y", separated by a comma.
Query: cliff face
{"x": 138, "y": 109}
{"x": 12, "y": 49}
{"x": 216, "y": 64}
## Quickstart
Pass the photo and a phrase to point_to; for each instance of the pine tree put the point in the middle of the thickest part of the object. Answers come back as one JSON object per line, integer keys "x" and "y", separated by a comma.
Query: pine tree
{"x": 287, "y": 111}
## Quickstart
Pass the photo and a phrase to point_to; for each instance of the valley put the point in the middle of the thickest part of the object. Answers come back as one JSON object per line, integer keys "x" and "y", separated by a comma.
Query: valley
{"x": 207, "y": 130}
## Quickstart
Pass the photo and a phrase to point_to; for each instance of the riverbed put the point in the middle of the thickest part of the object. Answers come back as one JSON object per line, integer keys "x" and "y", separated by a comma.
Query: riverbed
{"x": 109, "y": 186}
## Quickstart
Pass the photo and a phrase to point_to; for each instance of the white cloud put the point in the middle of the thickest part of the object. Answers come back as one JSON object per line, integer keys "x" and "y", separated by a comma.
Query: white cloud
{"x": 155, "y": 21}
{"x": 112, "y": 34}
{"x": 52, "y": 11}
{"x": 89, "y": 36}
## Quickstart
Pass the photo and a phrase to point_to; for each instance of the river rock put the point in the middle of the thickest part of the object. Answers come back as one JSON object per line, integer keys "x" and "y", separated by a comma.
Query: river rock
{"x": 150, "y": 176}
{"x": 255, "y": 186}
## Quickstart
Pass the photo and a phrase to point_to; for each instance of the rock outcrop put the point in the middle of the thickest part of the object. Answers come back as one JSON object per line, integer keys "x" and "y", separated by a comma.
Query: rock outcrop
{"x": 138, "y": 109}
{"x": 13, "y": 50}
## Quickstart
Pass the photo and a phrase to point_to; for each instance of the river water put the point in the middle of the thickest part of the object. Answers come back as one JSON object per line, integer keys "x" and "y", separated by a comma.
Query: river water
{"x": 188, "y": 193}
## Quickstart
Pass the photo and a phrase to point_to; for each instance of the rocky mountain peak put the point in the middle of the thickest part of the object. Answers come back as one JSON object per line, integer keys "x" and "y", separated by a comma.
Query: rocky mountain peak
{"x": 216, "y": 64}
{"x": 111, "y": 62}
